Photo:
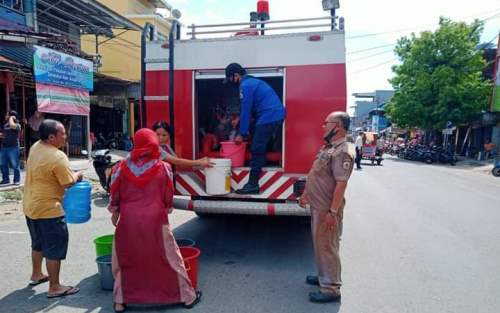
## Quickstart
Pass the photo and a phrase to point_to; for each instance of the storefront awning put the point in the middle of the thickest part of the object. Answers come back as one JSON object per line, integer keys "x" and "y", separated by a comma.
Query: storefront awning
{"x": 91, "y": 16}
{"x": 21, "y": 55}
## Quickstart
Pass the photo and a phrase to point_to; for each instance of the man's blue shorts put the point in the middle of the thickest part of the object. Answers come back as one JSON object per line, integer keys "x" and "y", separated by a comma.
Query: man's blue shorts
{"x": 49, "y": 236}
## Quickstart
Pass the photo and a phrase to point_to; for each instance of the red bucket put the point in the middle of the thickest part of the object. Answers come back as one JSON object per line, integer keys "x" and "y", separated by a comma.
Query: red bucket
{"x": 230, "y": 150}
{"x": 190, "y": 256}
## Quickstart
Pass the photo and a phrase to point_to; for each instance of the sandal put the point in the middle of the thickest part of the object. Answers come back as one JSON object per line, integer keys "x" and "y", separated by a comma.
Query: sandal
{"x": 118, "y": 311}
{"x": 39, "y": 281}
{"x": 68, "y": 292}
{"x": 195, "y": 302}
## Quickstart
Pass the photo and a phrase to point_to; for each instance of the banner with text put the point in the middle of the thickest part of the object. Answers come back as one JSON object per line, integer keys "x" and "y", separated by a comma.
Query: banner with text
{"x": 61, "y": 69}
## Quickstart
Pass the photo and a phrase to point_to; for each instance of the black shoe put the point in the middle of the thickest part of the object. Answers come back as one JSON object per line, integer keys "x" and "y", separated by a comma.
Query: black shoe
{"x": 312, "y": 280}
{"x": 249, "y": 189}
{"x": 195, "y": 302}
{"x": 4, "y": 183}
{"x": 321, "y": 297}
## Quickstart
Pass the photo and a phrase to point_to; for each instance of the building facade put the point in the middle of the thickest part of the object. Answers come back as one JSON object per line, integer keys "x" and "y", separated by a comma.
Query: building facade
{"x": 369, "y": 112}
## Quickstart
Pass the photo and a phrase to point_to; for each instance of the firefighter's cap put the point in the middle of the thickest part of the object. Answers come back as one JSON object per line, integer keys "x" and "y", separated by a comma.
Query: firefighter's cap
{"x": 233, "y": 68}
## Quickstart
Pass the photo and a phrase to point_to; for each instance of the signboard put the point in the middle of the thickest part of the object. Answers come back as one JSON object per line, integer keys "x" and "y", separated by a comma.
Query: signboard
{"x": 378, "y": 123}
{"x": 60, "y": 100}
{"x": 495, "y": 106}
{"x": 495, "y": 100}
{"x": 56, "y": 68}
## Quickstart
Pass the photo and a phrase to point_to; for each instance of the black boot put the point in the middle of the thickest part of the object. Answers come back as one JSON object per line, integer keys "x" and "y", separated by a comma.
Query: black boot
{"x": 250, "y": 188}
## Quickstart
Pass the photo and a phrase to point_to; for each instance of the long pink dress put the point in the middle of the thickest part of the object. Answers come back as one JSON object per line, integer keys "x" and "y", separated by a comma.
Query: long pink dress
{"x": 147, "y": 264}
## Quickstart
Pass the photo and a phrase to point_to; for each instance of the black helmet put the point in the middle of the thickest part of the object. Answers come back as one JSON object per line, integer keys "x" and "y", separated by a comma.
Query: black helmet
{"x": 234, "y": 68}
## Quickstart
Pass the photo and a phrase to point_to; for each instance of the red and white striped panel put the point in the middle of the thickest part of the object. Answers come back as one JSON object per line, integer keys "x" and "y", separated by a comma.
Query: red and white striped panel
{"x": 274, "y": 184}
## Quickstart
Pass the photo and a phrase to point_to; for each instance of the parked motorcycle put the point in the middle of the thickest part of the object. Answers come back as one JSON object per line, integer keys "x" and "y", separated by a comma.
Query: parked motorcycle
{"x": 103, "y": 164}
{"x": 496, "y": 167}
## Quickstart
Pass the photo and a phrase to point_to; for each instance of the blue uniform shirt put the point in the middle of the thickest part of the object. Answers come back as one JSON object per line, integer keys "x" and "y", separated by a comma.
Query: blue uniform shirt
{"x": 259, "y": 98}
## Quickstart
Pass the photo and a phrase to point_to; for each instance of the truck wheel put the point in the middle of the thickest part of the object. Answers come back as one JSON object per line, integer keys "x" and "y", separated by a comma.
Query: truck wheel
{"x": 496, "y": 171}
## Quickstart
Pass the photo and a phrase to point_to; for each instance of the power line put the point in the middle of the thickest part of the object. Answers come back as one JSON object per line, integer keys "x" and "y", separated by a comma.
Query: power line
{"x": 375, "y": 66}
{"x": 372, "y": 48}
{"x": 371, "y": 55}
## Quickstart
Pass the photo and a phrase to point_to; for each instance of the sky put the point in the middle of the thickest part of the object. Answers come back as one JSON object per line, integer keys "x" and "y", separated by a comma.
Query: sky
{"x": 372, "y": 27}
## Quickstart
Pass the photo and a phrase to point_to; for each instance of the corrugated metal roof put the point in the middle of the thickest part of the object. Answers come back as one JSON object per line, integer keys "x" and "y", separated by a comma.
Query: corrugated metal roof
{"x": 19, "y": 54}
{"x": 10, "y": 26}
{"x": 89, "y": 15}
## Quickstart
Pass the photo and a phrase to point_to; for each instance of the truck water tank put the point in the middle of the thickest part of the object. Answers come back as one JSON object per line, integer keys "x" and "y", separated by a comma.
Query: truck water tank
{"x": 77, "y": 203}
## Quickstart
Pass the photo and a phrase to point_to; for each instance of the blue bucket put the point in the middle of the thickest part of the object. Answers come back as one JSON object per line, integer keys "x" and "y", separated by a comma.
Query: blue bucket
{"x": 77, "y": 203}
{"x": 105, "y": 272}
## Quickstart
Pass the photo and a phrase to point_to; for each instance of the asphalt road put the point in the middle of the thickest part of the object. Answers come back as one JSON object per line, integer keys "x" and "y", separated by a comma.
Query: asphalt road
{"x": 417, "y": 238}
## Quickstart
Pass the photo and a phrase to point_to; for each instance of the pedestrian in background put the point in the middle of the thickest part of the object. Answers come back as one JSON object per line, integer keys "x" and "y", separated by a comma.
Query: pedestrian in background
{"x": 146, "y": 262}
{"x": 324, "y": 192}
{"x": 34, "y": 125}
{"x": 48, "y": 174}
{"x": 359, "y": 146}
{"x": 10, "y": 149}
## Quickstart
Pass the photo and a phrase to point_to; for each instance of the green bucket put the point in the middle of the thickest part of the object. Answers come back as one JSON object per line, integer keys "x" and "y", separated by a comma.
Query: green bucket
{"x": 103, "y": 245}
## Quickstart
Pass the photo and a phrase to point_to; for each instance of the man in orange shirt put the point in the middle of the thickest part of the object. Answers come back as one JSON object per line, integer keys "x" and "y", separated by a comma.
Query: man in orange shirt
{"x": 48, "y": 174}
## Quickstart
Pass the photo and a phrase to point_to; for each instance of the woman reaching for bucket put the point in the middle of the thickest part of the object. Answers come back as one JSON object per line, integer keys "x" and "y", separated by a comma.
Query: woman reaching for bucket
{"x": 147, "y": 265}
{"x": 164, "y": 133}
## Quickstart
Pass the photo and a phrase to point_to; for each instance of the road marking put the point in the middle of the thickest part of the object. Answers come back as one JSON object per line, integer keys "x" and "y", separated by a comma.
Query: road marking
{"x": 13, "y": 232}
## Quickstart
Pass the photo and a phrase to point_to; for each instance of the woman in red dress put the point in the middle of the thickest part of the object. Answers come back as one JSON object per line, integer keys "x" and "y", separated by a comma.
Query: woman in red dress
{"x": 147, "y": 264}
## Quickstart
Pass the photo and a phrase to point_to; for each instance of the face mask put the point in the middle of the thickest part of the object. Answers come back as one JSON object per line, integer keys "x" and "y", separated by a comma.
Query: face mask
{"x": 331, "y": 135}
{"x": 234, "y": 82}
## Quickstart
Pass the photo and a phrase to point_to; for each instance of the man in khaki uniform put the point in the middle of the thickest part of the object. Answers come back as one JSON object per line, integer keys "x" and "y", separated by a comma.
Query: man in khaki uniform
{"x": 324, "y": 192}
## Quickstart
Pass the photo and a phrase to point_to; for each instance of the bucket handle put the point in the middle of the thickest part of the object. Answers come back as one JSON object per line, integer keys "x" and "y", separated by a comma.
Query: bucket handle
{"x": 187, "y": 266}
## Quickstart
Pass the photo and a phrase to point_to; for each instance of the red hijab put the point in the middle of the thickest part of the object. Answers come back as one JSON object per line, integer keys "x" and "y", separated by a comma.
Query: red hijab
{"x": 143, "y": 163}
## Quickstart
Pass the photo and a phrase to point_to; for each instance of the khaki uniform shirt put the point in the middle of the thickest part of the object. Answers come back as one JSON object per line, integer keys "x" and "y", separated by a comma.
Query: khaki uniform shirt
{"x": 334, "y": 163}
{"x": 48, "y": 172}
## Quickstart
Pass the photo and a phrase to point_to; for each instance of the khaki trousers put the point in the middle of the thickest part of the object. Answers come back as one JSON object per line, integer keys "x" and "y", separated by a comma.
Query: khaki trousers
{"x": 326, "y": 250}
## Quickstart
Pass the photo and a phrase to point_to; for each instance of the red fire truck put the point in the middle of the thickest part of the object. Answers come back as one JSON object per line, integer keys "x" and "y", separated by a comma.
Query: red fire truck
{"x": 304, "y": 62}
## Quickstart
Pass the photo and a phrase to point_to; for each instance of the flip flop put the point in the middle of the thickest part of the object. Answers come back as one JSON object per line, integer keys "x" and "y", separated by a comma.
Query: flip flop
{"x": 68, "y": 292}
{"x": 38, "y": 282}
{"x": 195, "y": 302}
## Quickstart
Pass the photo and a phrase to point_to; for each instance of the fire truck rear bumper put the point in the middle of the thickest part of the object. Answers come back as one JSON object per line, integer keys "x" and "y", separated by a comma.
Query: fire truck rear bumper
{"x": 240, "y": 207}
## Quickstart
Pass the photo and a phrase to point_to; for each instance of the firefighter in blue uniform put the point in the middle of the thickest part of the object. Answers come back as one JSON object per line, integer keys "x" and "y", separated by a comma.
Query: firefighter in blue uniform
{"x": 259, "y": 100}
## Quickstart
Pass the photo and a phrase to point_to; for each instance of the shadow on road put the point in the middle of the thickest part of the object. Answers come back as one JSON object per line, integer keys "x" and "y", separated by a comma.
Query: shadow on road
{"x": 27, "y": 300}
{"x": 248, "y": 264}
{"x": 230, "y": 239}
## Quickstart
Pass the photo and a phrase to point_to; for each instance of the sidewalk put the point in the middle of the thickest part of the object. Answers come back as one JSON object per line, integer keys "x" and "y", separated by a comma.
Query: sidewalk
{"x": 484, "y": 166}
{"x": 77, "y": 164}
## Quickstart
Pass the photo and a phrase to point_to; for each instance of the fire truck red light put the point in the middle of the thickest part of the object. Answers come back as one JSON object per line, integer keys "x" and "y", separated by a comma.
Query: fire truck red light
{"x": 263, "y": 6}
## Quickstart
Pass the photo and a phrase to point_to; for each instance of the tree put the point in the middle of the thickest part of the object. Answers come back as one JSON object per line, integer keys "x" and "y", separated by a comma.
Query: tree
{"x": 440, "y": 77}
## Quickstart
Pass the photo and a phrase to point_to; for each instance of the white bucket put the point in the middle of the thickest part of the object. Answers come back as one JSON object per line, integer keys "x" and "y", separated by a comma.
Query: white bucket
{"x": 218, "y": 177}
